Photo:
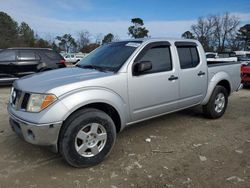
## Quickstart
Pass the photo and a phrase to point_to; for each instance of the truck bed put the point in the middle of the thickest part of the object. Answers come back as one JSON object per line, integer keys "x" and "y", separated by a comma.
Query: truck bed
{"x": 228, "y": 68}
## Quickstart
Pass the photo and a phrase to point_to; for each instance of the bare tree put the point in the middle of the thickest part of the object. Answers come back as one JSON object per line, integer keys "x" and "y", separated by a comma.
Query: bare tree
{"x": 83, "y": 39}
{"x": 98, "y": 38}
{"x": 217, "y": 32}
{"x": 188, "y": 35}
{"x": 116, "y": 38}
{"x": 50, "y": 38}
{"x": 225, "y": 30}
{"x": 203, "y": 31}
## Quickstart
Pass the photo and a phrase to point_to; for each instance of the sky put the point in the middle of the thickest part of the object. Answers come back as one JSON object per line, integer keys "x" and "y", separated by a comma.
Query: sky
{"x": 163, "y": 18}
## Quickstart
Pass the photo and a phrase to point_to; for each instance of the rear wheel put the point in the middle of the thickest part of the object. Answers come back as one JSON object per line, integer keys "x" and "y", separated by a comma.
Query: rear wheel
{"x": 87, "y": 138}
{"x": 217, "y": 104}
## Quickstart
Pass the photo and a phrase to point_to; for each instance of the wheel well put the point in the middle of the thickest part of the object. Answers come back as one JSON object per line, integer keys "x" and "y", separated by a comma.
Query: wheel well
{"x": 225, "y": 84}
{"x": 110, "y": 110}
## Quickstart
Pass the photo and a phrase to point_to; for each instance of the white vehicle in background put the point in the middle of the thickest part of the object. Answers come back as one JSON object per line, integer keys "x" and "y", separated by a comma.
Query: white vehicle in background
{"x": 243, "y": 56}
{"x": 74, "y": 58}
{"x": 215, "y": 57}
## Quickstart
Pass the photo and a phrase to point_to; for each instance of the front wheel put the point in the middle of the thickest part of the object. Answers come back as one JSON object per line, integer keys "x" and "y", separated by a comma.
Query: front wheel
{"x": 87, "y": 138}
{"x": 217, "y": 103}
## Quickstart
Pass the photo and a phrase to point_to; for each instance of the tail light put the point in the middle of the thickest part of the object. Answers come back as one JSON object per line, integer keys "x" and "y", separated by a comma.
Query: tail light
{"x": 62, "y": 63}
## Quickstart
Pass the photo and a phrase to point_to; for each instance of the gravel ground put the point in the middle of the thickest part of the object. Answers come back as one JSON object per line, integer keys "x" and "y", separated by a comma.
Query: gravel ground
{"x": 178, "y": 150}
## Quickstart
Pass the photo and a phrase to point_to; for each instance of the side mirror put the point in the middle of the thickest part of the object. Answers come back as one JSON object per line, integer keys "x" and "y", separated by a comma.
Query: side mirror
{"x": 142, "y": 66}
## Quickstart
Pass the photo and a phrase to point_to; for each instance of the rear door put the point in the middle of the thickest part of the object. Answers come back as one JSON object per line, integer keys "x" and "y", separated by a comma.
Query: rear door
{"x": 154, "y": 92}
{"x": 28, "y": 61}
{"x": 193, "y": 74}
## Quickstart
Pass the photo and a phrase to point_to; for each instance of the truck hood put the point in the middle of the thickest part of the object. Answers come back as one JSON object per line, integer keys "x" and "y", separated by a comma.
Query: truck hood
{"x": 65, "y": 78}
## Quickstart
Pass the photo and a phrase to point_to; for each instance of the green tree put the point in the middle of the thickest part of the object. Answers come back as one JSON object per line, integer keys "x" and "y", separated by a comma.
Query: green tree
{"x": 108, "y": 38}
{"x": 89, "y": 47}
{"x": 67, "y": 42}
{"x": 8, "y": 31}
{"x": 55, "y": 47}
{"x": 26, "y": 35}
{"x": 137, "y": 30}
{"x": 41, "y": 43}
{"x": 243, "y": 37}
{"x": 188, "y": 35}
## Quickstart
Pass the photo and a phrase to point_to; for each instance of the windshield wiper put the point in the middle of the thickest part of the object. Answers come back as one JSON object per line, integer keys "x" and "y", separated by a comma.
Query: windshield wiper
{"x": 103, "y": 69}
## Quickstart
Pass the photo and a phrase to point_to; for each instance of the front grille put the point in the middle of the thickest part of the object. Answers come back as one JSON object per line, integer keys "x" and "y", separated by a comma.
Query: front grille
{"x": 25, "y": 100}
{"x": 19, "y": 99}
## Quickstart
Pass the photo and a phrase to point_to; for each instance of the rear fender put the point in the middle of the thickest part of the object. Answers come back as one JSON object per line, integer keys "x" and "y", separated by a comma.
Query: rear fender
{"x": 214, "y": 82}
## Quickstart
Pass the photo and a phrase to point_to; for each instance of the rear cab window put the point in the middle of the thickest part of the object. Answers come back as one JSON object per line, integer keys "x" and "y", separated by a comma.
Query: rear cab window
{"x": 188, "y": 54}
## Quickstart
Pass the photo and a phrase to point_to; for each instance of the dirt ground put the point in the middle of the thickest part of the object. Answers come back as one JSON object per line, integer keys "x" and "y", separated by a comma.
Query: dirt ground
{"x": 178, "y": 150}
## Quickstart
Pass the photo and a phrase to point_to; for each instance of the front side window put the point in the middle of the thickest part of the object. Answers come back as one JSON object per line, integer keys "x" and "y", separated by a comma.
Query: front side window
{"x": 160, "y": 58}
{"x": 7, "y": 55}
{"x": 188, "y": 56}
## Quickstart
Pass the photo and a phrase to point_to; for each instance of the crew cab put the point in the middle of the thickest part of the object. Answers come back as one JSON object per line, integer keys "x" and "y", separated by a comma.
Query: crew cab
{"x": 78, "y": 111}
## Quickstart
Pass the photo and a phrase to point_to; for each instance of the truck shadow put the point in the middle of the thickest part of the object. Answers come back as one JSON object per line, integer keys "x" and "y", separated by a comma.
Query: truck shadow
{"x": 195, "y": 113}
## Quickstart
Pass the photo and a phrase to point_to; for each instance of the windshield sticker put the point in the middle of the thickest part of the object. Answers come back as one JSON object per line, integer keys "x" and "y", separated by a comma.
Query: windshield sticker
{"x": 133, "y": 44}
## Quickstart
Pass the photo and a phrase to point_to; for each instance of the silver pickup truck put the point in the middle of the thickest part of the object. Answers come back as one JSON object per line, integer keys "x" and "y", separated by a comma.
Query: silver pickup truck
{"x": 78, "y": 111}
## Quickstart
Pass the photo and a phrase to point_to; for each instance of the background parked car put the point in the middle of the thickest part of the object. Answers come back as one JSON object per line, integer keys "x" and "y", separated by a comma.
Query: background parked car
{"x": 74, "y": 58}
{"x": 243, "y": 56}
{"x": 18, "y": 62}
{"x": 245, "y": 74}
{"x": 221, "y": 57}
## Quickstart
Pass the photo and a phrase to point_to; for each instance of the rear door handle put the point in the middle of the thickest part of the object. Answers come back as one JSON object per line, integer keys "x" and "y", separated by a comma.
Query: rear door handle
{"x": 201, "y": 73}
{"x": 171, "y": 78}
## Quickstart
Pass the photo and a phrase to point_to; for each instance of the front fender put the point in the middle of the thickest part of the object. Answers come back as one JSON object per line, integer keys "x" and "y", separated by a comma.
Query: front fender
{"x": 78, "y": 99}
{"x": 214, "y": 82}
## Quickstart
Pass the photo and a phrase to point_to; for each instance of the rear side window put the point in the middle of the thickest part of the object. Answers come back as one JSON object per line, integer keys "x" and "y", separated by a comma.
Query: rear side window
{"x": 188, "y": 56}
{"x": 52, "y": 54}
{"x": 27, "y": 55}
{"x": 8, "y": 55}
{"x": 160, "y": 58}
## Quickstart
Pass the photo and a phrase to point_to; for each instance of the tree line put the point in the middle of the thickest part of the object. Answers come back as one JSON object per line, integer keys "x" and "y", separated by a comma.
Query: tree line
{"x": 220, "y": 33}
{"x": 14, "y": 35}
{"x": 215, "y": 32}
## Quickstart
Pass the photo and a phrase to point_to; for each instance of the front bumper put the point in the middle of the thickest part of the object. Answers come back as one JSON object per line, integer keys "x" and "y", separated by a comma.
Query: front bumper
{"x": 38, "y": 134}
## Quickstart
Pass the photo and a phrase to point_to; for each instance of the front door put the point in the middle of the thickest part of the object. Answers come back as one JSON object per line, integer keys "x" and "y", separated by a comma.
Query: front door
{"x": 155, "y": 91}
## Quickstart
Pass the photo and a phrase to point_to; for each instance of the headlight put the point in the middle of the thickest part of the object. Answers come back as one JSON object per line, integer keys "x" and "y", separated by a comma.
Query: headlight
{"x": 38, "y": 102}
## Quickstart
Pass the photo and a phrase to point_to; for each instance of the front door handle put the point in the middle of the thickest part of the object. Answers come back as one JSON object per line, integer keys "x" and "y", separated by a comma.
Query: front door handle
{"x": 201, "y": 73}
{"x": 171, "y": 78}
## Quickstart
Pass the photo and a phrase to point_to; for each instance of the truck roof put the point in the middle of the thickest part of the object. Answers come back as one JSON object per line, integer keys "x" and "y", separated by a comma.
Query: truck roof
{"x": 161, "y": 39}
{"x": 28, "y": 48}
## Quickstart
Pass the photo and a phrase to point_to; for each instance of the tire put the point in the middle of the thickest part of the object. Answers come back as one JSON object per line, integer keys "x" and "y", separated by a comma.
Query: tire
{"x": 75, "y": 146}
{"x": 76, "y": 62}
{"x": 213, "y": 110}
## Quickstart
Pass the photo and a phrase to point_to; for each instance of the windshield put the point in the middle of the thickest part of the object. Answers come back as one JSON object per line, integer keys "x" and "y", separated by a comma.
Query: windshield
{"x": 110, "y": 56}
